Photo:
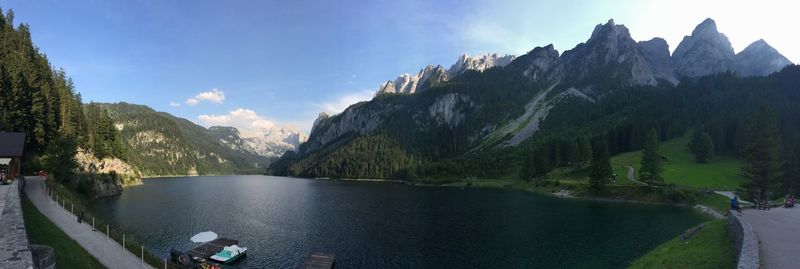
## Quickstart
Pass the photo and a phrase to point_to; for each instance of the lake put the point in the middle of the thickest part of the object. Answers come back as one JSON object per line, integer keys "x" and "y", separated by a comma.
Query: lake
{"x": 386, "y": 225}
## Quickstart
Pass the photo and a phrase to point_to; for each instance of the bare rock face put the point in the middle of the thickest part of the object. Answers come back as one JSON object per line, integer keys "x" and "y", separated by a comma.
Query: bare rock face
{"x": 449, "y": 109}
{"x": 540, "y": 64}
{"x": 409, "y": 84}
{"x": 478, "y": 63}
{"x": 656, "y": 51}
{"x": 425, "y": 78}
{"x": 356, "y": 119}
{"x": 759, "y": 59}
{"x": 114, "y": 173}
{"x": 705, "y": 52}
{"x": 611, "y": 53}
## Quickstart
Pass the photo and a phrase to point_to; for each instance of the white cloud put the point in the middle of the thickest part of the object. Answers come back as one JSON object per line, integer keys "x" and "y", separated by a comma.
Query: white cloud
{"x": 248, "y": 122}
{"x": 341, "y": 103}
{"x": 174, "y": 104}
{"x": 214, "y": 96}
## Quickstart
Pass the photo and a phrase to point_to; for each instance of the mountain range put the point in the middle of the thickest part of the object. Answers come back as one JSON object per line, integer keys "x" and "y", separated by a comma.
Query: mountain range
{"x": 489, "y": 104}
{"x": 159, "y": 143}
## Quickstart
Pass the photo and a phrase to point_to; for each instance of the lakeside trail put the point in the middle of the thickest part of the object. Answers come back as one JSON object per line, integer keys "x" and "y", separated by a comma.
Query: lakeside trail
{"x": 778, "y": 233}
{"x": 107, "y": 251}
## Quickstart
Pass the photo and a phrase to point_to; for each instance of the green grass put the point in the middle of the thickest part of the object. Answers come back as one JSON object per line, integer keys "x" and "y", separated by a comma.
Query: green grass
{"x": 711, "y": 247}
{"x": 718, "y": 202}
{"x": 681, "y": 169}
{"x": 43, "y": 232}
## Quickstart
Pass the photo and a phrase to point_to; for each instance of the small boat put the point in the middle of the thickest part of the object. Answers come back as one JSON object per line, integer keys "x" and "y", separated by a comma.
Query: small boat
{"x": 229, "y": 254}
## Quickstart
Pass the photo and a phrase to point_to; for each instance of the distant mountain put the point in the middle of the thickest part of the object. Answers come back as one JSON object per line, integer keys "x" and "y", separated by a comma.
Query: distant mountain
{"x": 271, "y": 145}
{"x": 705, "y": 52}
{"x": 759, "y": 59}
{"x": 478, "y": 63}
{"x": 409, "y": 84}
{"x": 161, "y": 144}
{"x": 708, "y": 51}
{"x": 440, "y": 123}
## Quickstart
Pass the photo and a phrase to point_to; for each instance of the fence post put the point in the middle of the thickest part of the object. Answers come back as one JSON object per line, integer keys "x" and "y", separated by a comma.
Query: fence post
{"x": 72, "y": 208}
{"x": 106, "y": 231}
{"x": 93, "y": 224}
{"x": 142, "y": 254}
{"x": 123, "y": 241}
{"x": 165, "y": 263}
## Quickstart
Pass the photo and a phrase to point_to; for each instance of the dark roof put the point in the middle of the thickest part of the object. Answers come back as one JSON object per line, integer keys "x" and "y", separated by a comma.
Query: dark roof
{"x": 11, "y": 144}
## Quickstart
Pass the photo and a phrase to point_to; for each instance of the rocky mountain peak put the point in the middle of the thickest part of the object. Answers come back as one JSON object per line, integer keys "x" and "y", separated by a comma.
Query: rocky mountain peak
{"x": 426, "y": 77}
{"x": 538, "y": 63}
{"x": 706, "y": 28}
{"x": 759, "y": 59}
{"x": 611, "y": 51}
{"x": 706, "y": 51}
{"x": 478, "y": 63}
{"x": 758, "y": 45}
{"x": 608, "y": 31}
{"x": 409, "y": 84}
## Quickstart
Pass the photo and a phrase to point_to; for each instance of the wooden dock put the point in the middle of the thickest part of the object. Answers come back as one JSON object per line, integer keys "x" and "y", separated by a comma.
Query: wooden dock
{"x": 320, "y": 261}
{"x": 209, "y": 249}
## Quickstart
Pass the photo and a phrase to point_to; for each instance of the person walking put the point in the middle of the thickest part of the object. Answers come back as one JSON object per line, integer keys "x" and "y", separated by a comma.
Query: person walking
{"x": 80, "y": 217}
{"x": 735, "y": 204}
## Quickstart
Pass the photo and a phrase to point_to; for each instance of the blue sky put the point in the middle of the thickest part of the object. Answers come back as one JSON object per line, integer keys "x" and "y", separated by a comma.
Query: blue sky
{"x": 283, "y": 62}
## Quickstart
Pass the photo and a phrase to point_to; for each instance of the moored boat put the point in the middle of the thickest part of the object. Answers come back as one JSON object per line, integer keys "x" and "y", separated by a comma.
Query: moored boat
{"x": 229, "y": 254}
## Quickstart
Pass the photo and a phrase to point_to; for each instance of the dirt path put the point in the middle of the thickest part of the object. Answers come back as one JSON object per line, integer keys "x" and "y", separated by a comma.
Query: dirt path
{"x": 107, "y": 251}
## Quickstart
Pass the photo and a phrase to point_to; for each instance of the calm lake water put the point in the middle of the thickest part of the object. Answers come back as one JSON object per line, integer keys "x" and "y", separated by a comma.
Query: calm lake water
{"x": 384, "y": 225}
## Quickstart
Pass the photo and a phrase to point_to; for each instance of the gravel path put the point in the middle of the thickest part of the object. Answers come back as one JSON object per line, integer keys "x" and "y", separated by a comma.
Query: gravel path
{"x": 632, "y": 175}
{"x": 107, "y": 251}
{"x": 779, "y": 234}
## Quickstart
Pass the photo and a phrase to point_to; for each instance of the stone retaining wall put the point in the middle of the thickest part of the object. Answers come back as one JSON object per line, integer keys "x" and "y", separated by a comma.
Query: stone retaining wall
{"x": 15, "y": 252}
{"x": 745, "y": 242}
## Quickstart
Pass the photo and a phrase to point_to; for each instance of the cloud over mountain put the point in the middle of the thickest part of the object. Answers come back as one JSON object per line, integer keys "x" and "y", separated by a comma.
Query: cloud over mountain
{"x": 247, "y": 121}
{"x": 214, "y": 96}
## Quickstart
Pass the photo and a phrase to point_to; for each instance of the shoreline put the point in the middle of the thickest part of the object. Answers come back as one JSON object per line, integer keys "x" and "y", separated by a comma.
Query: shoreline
{"x": 558, "y": 194}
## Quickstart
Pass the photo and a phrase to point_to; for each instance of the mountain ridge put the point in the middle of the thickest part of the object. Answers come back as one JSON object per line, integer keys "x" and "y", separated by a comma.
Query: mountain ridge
{"x": 541, "y": 91}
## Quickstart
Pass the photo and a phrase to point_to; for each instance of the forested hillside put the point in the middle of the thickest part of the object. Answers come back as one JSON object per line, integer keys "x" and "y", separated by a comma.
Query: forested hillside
{"x": 161, "y": 144}
{"x": 41, "y": 101}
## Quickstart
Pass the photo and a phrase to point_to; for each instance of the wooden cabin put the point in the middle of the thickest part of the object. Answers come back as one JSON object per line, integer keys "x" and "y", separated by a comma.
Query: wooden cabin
{"x": 12, "y": 148}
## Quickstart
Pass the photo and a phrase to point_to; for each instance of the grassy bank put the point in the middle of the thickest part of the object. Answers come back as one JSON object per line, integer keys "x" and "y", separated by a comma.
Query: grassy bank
{"x": 69, "y": 254}
{"x": 680, "y": 168}
{"x": 711, "y": 247}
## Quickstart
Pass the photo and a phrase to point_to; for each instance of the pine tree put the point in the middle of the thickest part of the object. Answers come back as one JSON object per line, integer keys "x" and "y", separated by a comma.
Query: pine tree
{"x": 791, "y": 177}
{"x": 600, "y": 168}
{"x": 586, "y": 150}
{"x": 701, "y": 146}
{"x": 762, "y": 164}
{"x": 650, "y": 170}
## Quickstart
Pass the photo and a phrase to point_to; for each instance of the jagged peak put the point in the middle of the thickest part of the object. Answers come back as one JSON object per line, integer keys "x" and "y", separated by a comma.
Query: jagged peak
{"x": 609, "y": 29}
{"x": 549, "y": 49}
{"x": 656, "y": 40}
{"x": 707, "y": 26}
{"x": 758, "y": 44}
